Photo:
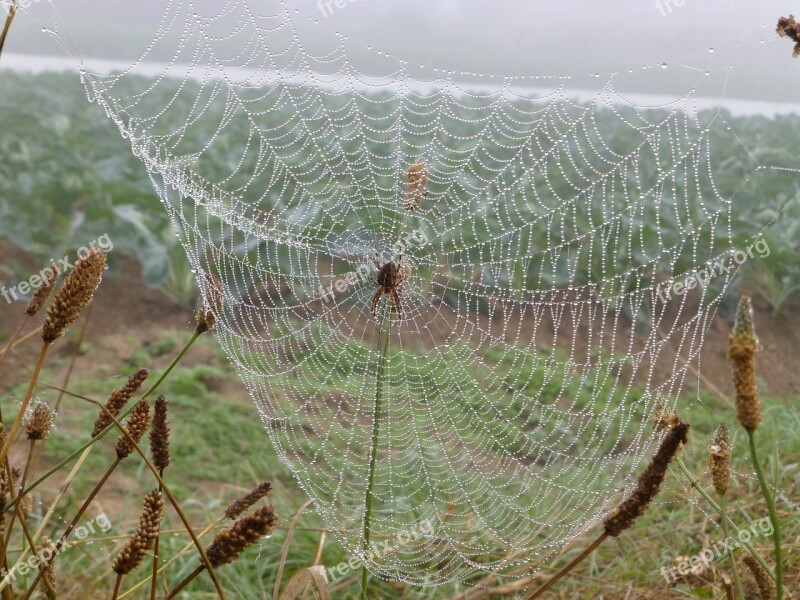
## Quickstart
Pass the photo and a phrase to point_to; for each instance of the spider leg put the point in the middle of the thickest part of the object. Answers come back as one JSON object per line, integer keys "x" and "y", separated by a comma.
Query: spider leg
{"x": 397, "y": 303}
{"x": 375, "y": 300}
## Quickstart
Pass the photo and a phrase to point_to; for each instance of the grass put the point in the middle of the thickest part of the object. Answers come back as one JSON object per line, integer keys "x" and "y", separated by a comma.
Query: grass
{"x": 220, "y": 449}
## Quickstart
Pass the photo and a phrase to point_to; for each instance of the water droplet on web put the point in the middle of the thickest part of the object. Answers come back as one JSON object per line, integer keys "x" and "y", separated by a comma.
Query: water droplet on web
{"x": 663, "y": 65}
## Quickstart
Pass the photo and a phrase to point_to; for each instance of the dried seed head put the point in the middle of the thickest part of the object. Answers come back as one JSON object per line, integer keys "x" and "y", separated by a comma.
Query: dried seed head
{"x": 247, "y": 530}
{"x": 417, "y": 177}
{"x": 663, "y": 418}
{"x": 49, "y": 277}
{"x": 137, "y": 425}
{"x": 788, "y": 27}
{"x": 207, "y": 316}
{"x": 719, "y": 460}
{"x": 144, "y": 539}
{"x": 767, "y": 590}
{"x": 39, "y": 422}
{"x": 117, "y": 401}
{"x": 649, "y": 482}
{"x": 74, "y": 293}
{"x": 237, "y": 507}
{"x": 742, "y": 348}
{"x": 159, "y": 435}
{"x": 47, "y": 554}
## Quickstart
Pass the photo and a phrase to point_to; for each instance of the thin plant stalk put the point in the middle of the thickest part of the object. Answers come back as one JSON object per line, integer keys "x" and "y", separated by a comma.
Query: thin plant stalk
{"x": 154, "y": 577}
{"x": 696, "y": 485}
{"x": 183, "y": 552}
{"x": 12, "y": 12}
{"x": 185, "y": 582}
{"x": 117, "y": 585}
{"x": 162, "y": 484}
{"x": 62, "y": 540}
{"x": 13, "y": 340}
{"x": 17, "y": 506}
{"x": 80, "y": 450}
{"x": 773, "y": 514}
{"x": 565, "y": 570}
{"x": 75, "y": 352}
{"x": 28, "y": 395}
{"x": 726, "y": 533}
{"x": 14, "y": 343}
{"x": 383, "y": 345}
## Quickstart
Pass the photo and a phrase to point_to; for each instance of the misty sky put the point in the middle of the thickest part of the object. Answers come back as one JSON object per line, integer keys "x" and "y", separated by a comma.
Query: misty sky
{"x": 523, "y": 37}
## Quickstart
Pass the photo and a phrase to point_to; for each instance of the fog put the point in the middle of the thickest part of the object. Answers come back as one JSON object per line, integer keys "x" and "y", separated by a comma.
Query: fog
{"x": 520, "y": 37}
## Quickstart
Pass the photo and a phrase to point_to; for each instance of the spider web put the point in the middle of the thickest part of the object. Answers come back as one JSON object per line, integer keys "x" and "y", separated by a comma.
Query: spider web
{"x": 535, "y": 338}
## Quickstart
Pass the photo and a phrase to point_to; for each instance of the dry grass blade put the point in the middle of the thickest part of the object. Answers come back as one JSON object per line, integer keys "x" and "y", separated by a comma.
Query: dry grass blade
{"x": 302, "y": 579}
{"x": 285, "y": 552}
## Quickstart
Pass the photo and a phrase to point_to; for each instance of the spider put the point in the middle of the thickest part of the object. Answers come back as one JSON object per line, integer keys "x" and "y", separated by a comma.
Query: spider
{"x": 389, "y": 279}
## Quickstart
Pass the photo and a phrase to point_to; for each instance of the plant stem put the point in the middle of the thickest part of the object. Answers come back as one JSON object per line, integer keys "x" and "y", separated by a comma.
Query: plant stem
{"x": 154, "y": 581}
{"x": 554, "y": 579}
{"x": 163, "y": 486}
{"x": 116, "y": 586}
{"x": 183, "y": 551}
{"x": 726, "y": 533}
{"x": 773, "y": 514}
{"x": 17, "y": 510}
{"x": 61, "y": 540}
{"x": 75, "y": 352}
{"x": 696, "y": 485}
{"x": 12, "y": 12}
{"x": 12, "y": 341}
{"x": 186, "y": 581}
{"x": 122, "y": 415}
{"x": 383, "y": 346}
{"x": 28, "y": 395}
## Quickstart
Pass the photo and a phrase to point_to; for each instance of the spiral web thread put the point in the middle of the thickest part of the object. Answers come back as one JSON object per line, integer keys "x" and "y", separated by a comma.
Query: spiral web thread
{"x": 533, "y": 345}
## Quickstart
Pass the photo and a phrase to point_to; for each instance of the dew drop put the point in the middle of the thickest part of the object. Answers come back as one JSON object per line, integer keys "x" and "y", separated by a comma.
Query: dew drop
{"x": 663, "y": 65}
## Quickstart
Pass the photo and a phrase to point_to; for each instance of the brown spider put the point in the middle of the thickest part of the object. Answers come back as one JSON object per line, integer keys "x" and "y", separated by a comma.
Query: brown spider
{"x": 390, "y": 277}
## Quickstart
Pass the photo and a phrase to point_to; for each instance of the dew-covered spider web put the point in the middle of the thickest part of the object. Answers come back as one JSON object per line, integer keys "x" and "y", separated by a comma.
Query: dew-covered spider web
{"x": 537, "y": 225}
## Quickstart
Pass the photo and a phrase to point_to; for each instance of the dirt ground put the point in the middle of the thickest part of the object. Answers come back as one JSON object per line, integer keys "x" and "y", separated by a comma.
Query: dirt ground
{"x": 126, "y": 310}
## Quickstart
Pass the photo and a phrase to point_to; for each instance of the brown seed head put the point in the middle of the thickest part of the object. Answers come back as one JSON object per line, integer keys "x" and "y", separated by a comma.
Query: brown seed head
{"x": 663, "y": 418}
{"x": 159, "y": 435}
{"x": 238, "y": 506}
{"x": 144, "y": 539}
{"x": 649, "y": 482}
{"x": 74, "y": 293}
{"x": 117, "y": 401}
{"x": 247, "y": 530}
{"x": 47, "y": 554}
{"x": 767, "y": 589}
{"x": 49, "y": 277}
{"x": 417, "y": 177}
{"x": 137, "y": 425}
{"x": 742, "y": 348}
{"x": 207, "y": 316}
{"x": 788, "y": 27}
{"x": 39, "y": 422}
{"x": 719, "y": 460}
